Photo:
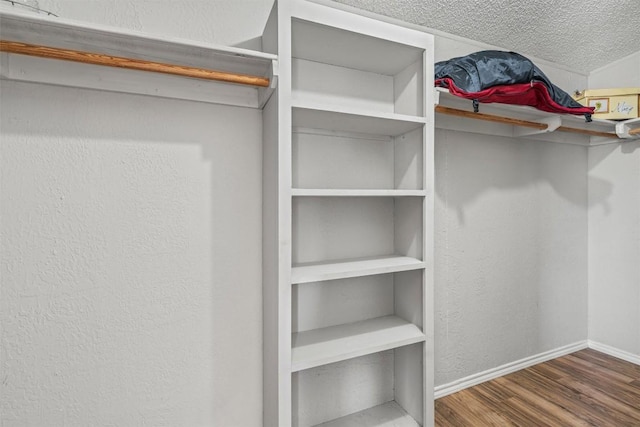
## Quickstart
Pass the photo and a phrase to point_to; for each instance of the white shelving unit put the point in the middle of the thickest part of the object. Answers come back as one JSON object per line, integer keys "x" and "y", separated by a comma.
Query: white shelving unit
{"x": 348, "y": 221}
{"x": 26, "y": 27}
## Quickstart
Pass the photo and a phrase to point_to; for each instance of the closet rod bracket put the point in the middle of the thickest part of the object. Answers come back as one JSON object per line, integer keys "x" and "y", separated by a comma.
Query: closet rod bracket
{"x": 264, "y": 93}
{"x": 629, "y": 129}
{"x": 552, "y": 123}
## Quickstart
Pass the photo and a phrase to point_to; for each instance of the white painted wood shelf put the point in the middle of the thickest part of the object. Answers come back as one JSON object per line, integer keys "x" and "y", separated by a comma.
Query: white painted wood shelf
{"x": 388, "y": 414}
{"x": 328, "y": 192}
{"x": 336, "y": 343}
{"x": 316, "y": 272}
{"x": 553, "y": 121}
{"x": 320, "y": 43}
{"x": 35, "y": 29}
{"x": 353, "y": 120}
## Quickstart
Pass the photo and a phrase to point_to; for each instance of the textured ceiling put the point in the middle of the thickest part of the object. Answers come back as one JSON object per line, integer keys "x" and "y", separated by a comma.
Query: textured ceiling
{"x": 583, "y": 35}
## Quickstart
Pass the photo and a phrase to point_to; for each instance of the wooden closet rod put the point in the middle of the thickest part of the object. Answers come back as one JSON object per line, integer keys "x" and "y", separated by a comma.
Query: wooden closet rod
{"x": 587, "y": 132}
{"x": 489, "y": 117}
{"x": 519, "y": 122}
{"x": 129, "y": 63}
{"x": 634, "y": 131}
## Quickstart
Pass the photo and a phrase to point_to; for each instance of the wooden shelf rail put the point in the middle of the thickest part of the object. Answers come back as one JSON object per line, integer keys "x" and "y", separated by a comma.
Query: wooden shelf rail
{"x": 129, "y": 63}
{"x": 522, "y": 123}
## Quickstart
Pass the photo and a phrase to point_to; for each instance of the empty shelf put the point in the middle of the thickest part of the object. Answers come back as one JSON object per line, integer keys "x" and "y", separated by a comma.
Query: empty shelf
{"x": 315, "y": 272}
{"x": 389, "y": 414}
{"x": 337, "y": 118}
{"x": 317, "y": 43}
{"x": 335, "y": 343}
{"x": 339, "y": 192}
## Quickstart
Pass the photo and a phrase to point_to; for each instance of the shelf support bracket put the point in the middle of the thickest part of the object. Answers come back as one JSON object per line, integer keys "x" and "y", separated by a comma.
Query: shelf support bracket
{"x": 436, "y": 97}
{"x": 552, "y": 123}
{"x": 625, "y": 131}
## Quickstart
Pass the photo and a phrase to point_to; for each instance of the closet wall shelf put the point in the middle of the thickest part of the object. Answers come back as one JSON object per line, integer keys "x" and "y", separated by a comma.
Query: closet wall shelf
{"x": 33, "y": 46}
{"x": 527, "y": 122}
{"x": 335, "y": 343}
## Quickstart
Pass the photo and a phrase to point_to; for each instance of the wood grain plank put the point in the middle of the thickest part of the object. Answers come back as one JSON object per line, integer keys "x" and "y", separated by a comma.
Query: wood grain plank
{"x": 496, "y": 404}
{"x": 603, "y": 371}
{"x": 527, "y": 415}
{"x": 569, "y": 400}
{"x": 538, "y": 406}
{"x": 602, "y": 381}
{"x": 446, "y": 416}
{"x": 463, "y": 410}
{"x": 494, "y": 392}
{"x": 610, "y": 362}
{"x": 478, "y": 415}
{"x": 624, "y": 414}
{"x": 586, "y": 388}
{"x": 548, "y": 371}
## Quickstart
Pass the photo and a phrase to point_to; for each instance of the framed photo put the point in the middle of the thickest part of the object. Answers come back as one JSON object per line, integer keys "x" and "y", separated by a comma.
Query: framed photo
{"x": 601, "y": 105}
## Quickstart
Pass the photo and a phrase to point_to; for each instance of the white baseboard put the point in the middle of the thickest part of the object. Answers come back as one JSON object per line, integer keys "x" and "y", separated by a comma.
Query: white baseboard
{"x": 615, "y": 352}
{"x": 475, "y": 379}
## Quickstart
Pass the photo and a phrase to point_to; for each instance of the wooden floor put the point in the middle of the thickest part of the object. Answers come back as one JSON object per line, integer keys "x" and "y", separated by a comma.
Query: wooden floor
{"x": 586, "y": 388}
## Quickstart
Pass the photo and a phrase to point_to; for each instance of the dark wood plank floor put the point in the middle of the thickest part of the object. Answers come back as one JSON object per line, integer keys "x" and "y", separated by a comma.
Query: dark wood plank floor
{"x": 586, "y": 388}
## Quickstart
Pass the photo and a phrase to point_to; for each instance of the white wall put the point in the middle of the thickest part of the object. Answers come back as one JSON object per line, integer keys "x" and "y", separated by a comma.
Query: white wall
{"x": 614, "y": 228}
{"x": 226, "y": 22}
{"x": 622, "y": 73}
{"x": 131, "y": 280}
{"x": 131, "y": 260}
{"x": 512, "y": 252}
{"x": 511, "y": 219}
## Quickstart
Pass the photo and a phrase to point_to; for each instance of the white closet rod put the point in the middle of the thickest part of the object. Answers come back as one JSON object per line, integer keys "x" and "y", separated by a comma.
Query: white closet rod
{"x": 129, "y": 63}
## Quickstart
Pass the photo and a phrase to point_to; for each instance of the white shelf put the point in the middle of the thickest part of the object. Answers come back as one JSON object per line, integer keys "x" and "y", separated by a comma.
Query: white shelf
{"x": 523, "y": 113}
{"x": 316, "y": 272}
{"x": 376, "y": 47}
{"x": 321, "y": 192}
{"x": 31, "y": 28}
{"x": 388, "y": 414}
{"x": 337, "y": 118}
{"x": 328, "y": 345}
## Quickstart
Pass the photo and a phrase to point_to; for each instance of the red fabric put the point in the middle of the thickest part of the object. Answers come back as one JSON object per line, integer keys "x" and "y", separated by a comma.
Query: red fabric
{"x": 533, "y": 94}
